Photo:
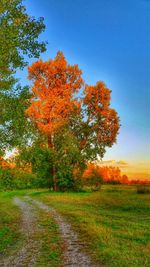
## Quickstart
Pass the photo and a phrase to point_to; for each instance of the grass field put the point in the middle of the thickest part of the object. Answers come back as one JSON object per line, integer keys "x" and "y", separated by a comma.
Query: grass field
{"x": 114, "y": 223}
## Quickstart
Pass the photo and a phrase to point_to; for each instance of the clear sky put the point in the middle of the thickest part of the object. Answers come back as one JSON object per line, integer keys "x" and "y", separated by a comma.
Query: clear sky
{"x": 110, "y": 40}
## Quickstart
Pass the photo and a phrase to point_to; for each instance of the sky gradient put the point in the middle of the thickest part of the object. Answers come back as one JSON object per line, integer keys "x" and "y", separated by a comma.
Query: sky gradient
{"x": 110, "y": 41}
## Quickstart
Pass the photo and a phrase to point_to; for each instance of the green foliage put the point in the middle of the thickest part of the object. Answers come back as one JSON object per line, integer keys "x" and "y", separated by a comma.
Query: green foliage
{"x": 67, "y": 159}
{"x": 1, "y": 153}
{"x": 9, "y": 225}
{"x": 18, "y": 37}
{"x": 63, "y": 160}
{"x": 42, "y": 163}
{"x": 23, "y": 180}
{"x": 65, "y": 178}
{"x": 40, "y": 159}
{"x": 15, "y": 130}
{"x": 19, "y": 34}
{"x": 6, "y": 179}
{"x": 11, "y": 179}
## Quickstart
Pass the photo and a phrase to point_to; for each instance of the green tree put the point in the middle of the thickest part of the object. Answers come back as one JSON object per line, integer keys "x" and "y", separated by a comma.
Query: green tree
{"x": 18, "y": 38}
{"x": 68, "y": 160}
{"x": 19, "y": 41}
{"x": 40, "y": 159}
{"x": 15, "y": 129}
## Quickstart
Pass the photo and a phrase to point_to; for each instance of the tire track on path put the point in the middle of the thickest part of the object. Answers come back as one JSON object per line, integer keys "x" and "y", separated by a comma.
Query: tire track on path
{"x": 73, "y": 255}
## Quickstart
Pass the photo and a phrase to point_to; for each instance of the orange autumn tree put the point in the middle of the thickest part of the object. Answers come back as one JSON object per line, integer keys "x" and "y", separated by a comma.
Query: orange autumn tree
{"x": 103, "y": 174}
{"x": 88, "y": 118}
{"x": 54, "y": 84}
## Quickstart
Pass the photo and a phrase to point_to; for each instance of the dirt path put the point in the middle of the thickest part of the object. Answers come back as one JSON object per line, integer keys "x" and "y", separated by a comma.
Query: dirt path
{"x": 73, "y": 255}
{"x": 28, "y": 254}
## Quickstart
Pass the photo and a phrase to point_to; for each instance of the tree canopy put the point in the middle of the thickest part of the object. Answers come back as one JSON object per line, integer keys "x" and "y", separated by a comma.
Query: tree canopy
{"x": 19, "y": 41}
{"x": 62, "y": 105}
{"x": 55, "y": 82}
{"x": 18, "y": 38}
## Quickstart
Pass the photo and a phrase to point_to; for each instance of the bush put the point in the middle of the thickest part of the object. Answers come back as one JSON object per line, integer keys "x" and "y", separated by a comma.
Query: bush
{"x": 23, "y": 180}
{"x": 143, "y": 189}
{"x": 66, "y": 181}
{"x": 40, "y": 161}
{"x": 15, "y": 179}
{"x": 6, "y": 179}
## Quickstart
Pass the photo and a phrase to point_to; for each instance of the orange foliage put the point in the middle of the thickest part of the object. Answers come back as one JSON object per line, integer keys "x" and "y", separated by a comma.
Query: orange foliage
{"x": 6, "y": 164}
{"x": 137, "y": 181}
{"x": 106, "y": 121}
{"x": 105, "y": 173}
{"x": 109, "y": 174}
{"x": 54, "y": 83}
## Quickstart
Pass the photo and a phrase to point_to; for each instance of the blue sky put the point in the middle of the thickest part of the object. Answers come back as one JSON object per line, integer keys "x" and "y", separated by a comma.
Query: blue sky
{"x": 110, "y": 41}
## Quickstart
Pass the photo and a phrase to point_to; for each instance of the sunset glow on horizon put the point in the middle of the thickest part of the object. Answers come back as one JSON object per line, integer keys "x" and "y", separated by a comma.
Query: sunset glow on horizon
{"x": 134, "y": 170}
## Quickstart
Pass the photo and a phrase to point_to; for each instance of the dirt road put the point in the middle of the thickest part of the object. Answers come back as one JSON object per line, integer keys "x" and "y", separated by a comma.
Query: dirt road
{"x": 28, "y": 255}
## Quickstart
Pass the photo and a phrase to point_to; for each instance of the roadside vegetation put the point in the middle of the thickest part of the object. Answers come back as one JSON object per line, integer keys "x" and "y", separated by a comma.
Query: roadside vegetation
{"x": 114, "y": 223}
{"x": 9, "y": 224}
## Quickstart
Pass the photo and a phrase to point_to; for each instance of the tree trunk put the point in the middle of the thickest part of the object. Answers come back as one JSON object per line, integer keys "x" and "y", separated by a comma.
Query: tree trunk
{"x": 55, "y": 179}
{"x": 51, "y": 146}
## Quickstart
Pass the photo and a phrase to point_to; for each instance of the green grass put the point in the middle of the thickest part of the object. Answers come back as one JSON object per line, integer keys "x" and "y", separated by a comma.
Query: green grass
{"x": 9, "y": 224}
{"x": 115, "y": 223}
{"x": 51, "y": 251}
